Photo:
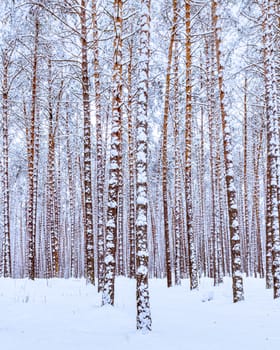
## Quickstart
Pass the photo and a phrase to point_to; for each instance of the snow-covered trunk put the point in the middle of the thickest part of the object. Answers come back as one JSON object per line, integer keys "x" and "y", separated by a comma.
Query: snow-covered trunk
{"x": 268, "y": 242}
{"x": 256, "y": 204}
{"x": 220, "y": 234}
{"x": 201, "y": 183}
{"x": 100, "y": 171}
{"x": 114, "y": 163}
{"x": 157, "y": 266}
{"x": 50, "y": 225}
{"x": 143, "y": 321}
{"x": 272, "y": 141}
{"x": 155, "y": 206}
{"x": 131, "y": 165}
{"x": 59, "y": 230}
{"x": 247, "y": 258}
{"x": 71, "y": 189}
{"x": 121, "y": 202}
{"x": 164, "y": 150}
{"x": 188, "y": 153}
{"x": 237, "y": 280}
{"x": 78, "y": 166}
{"x": 177, "y": 154}
{"x": 30, "y": 138}
{"x": 6, "y": 265}
{"x": 120, "y": 226}
{"x": 214, "y": 136}
{"x": 210, "y": 116}
{"x": 52, "y": 210}
{"x": 89, "y": 237}
{"x": 35, "y": 190}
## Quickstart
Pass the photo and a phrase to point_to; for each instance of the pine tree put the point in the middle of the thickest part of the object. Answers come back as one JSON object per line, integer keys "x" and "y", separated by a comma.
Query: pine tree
{"x": 115, "y": 164}
{"x": 100, "y": 176}
{"x": 144, "y": 321}
{"x": 165, "y": 147}
{"x": 188, "y": 153}
{"x": 6, "y": 57}
{"x": 31, "y": 137}
{"x": 89, "y": 237}
{"x": 272, "y": 143}
{"x": 237, "y": 280}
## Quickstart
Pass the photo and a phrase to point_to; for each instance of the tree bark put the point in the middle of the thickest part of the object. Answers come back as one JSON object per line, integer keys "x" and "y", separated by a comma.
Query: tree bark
{"x": 89, "y": 236}
{"x": 143, "y": 318}
{"x": 237, "y": 280}
{"x": 188, "y": 153}
{"x": 115, "y": 164}
{"x": 7, "y": 268}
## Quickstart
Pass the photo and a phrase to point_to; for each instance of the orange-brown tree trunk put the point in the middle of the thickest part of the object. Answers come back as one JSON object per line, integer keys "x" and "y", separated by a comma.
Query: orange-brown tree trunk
{"x": 237, "y": 280}
{"x": 188, "y": 152}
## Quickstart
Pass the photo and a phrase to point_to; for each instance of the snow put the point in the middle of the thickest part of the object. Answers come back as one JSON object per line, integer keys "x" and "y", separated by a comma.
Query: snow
{"x": 142, "y": 270}
{"x": 141, "y": 176}
{"x": 109, "y": 259}
{"x": 141, "y": 200}
{"x": 141, "y": 219}
{"x": 141, "y": 156}
{"x": 66, "y": 314}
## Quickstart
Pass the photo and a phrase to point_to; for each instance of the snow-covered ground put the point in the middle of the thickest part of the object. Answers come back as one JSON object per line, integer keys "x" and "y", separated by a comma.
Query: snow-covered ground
{"x": 66, "y": 315}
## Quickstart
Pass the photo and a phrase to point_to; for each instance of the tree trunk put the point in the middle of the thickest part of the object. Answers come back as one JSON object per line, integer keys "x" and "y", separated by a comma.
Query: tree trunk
{"x": 143, "y": 319}
{"x": 6, "y": 189}
{"x": 89, "y": 237}
{"x": 100, "y": 172}
{"x": 188, "y": 153}
{"x": 272, "y": 143}
{"x": 237, "y": 280}
{"x": 31, "y": 153}
{"x": 164, "y": 150}
{"x": 115, "y": 164}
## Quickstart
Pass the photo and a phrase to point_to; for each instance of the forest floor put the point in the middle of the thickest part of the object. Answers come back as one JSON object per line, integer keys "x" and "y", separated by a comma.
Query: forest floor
{"x": 66, "y": 315}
